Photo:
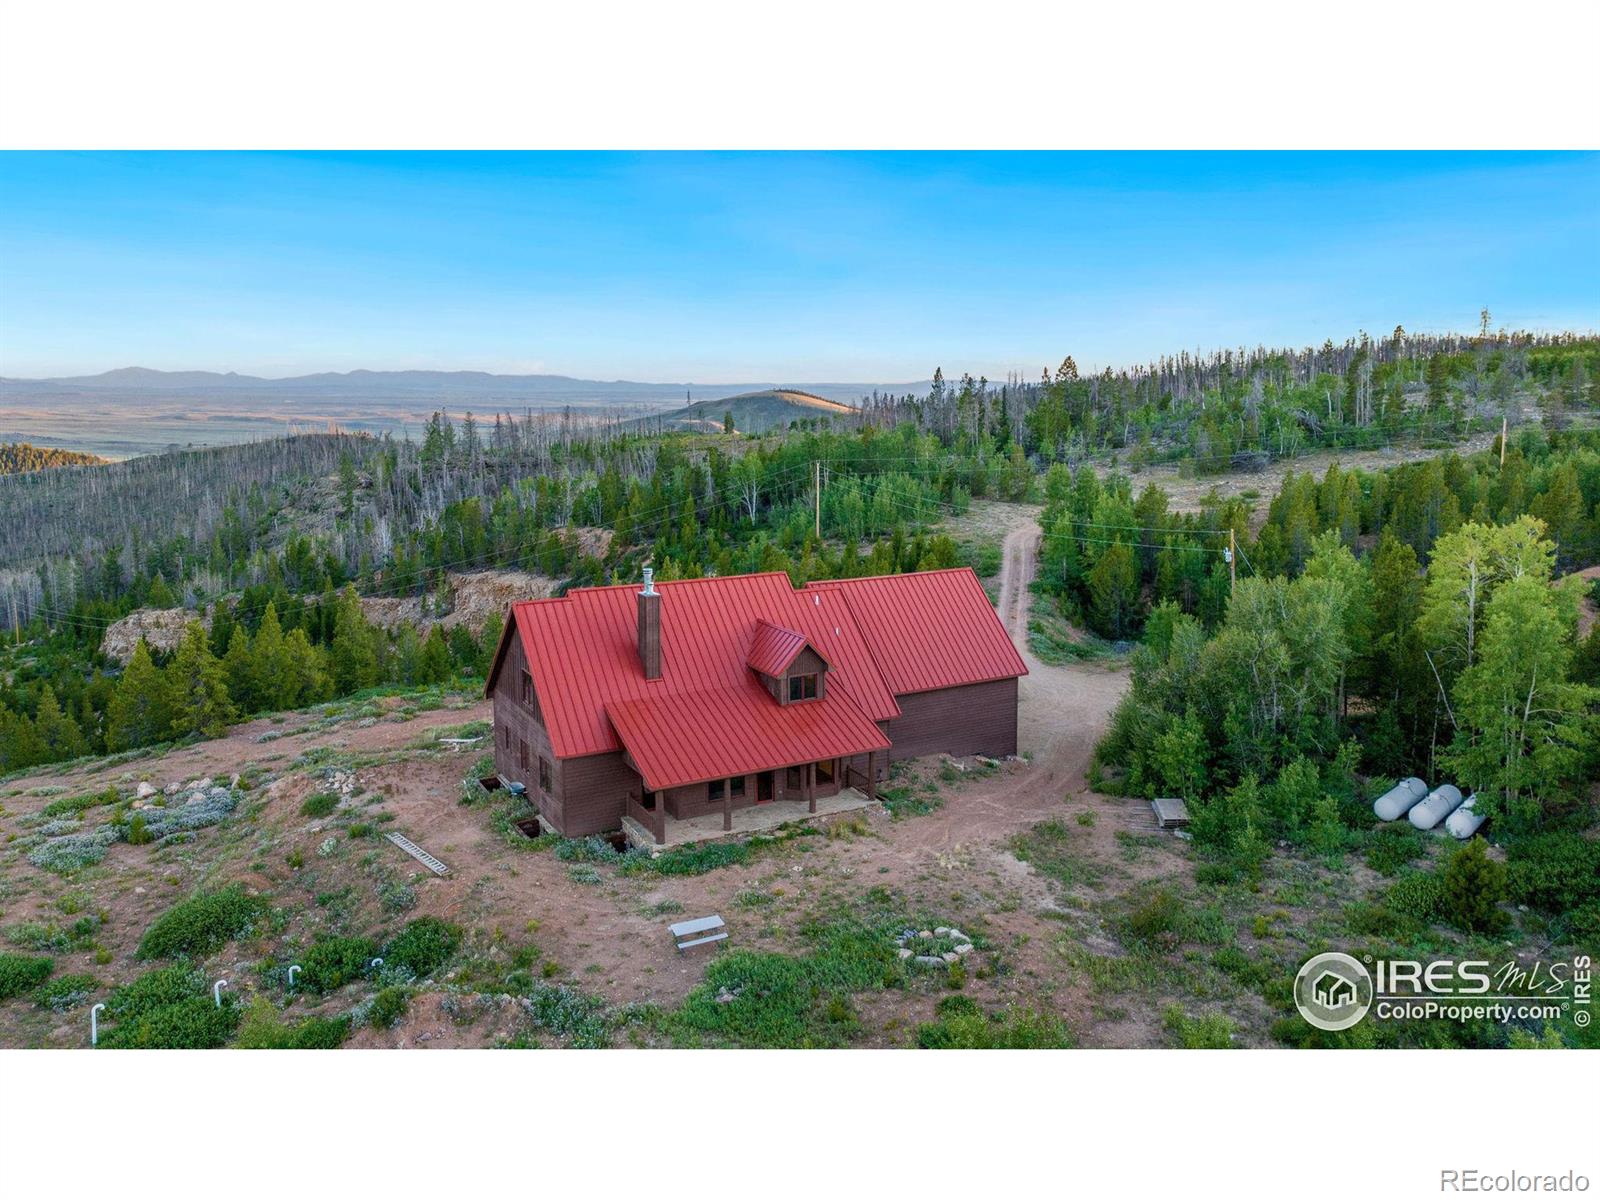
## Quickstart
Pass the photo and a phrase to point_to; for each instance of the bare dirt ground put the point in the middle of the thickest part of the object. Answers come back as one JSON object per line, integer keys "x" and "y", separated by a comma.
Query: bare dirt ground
{"x": 1188, "y": 495}
{"x": 605, "y": 931}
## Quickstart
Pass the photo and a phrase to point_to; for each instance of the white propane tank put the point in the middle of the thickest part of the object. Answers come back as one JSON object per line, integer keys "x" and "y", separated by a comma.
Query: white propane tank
{"x": 1399, "y": 799}
{"x": 1464, "y": 822}
{"x": 1441, "y": 802}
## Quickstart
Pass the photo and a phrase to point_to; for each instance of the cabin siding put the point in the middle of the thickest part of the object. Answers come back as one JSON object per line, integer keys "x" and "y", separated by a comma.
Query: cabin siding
{"x": 515, "y": 724}
{"x": 978, "y": 718}
{"x": 587, "y": 795}
{"x": 594, "y": 792}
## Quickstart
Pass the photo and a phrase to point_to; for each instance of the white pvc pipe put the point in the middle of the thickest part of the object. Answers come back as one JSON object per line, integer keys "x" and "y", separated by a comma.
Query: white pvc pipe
{"x": 376, "y": 963}
{"x": 216, "y": 991}
{"x": 292, "y": 970}
{"x": 94, "y": 1024}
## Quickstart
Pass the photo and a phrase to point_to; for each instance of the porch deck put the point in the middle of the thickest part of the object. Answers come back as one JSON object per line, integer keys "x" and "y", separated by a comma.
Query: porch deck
{"x": 753, "y": 818}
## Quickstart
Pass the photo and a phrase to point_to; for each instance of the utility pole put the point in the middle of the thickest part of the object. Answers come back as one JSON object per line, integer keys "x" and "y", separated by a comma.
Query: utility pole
{"x": 816, "y": 470}
{"x": 1233, "y": 553}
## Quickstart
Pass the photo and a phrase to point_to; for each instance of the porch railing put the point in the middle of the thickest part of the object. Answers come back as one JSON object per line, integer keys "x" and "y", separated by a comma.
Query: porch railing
{"x": 653, "y": 819}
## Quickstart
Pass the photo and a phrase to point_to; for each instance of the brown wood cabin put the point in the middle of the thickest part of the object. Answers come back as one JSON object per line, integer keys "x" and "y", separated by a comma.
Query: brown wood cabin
{"x": 645, "y": 705}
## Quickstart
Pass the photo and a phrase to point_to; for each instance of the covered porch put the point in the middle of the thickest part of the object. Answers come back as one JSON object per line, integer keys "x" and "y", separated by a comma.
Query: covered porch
{"x": 757, "y": 800}
{"x": 738, "y": 822}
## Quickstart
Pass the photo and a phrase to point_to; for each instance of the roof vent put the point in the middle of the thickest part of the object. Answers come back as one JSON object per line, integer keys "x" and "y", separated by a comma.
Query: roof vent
{"x": 649, "y": 582}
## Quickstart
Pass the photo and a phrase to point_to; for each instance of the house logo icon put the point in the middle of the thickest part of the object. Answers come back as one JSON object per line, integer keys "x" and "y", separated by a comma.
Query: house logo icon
{"x": 1333, "y": 991}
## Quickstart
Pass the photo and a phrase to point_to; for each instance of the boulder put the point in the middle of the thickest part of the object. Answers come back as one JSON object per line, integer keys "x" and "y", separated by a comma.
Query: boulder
{"x": 145, "y": 789}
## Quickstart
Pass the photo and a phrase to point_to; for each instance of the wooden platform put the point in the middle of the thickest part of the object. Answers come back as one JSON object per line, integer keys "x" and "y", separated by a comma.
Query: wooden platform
{"x": 1171, "y": 813}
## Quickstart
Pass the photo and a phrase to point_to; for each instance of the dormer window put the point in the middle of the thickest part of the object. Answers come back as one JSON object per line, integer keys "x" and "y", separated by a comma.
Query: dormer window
{"x": 802, "y": 687}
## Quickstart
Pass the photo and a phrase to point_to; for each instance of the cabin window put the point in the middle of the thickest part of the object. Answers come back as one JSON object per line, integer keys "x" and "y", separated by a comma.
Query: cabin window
{"x": 802, "y": 687}
{"x": 714, "y": 789}
{"x": 530, "y": 697}
{"x": 825, "y": 771}
{"x": 791, "y": 778}
{"x": 522, "y": 754}
{"x": 545, "y": 784}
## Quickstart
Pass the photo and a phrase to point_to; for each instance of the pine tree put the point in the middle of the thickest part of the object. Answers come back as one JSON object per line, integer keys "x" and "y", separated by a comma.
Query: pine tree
{"x": 1114, "y": 592}
{"x": 434, "y": 666}
{"x": 159, "y": 594}
{"x": 305, "y": 679}
{"x": 139, "y": 713}
{"x": 197, "y": 687}
{"x": 267, "y": 663}
{"x": 56, "y": 731}
{"x": 1474, "y": 887}
{"x": 239, "y": 668}
{"x": 355, "y": 659}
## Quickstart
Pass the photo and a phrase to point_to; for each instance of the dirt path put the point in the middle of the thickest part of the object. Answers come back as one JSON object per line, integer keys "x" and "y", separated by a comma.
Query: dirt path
{"x": 1016, "y": 575}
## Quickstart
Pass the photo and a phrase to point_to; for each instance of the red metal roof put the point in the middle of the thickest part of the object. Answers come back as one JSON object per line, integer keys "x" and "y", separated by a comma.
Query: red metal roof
{"x": 582, "y": 650}
{"x": 774, "y": 648}
{"x": 929, "y": 629}
{"x": 692, "y": 737}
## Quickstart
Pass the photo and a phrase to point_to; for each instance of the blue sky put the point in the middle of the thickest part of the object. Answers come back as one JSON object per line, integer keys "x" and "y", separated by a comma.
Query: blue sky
{"x": 794, "y": 268}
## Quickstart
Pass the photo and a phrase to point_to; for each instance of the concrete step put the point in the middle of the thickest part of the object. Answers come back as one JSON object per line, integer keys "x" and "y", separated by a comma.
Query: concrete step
{"x": 638, "y": 836}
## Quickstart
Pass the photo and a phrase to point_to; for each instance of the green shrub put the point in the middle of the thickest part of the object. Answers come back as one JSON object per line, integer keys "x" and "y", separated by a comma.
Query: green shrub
{"x": 1156, "y": 921}
{"x": 1393, "y": 846}
{"x": 1416, "y": 894}
{"x": 332, "y": 962}
{"x": 962, "y": 1025}
{"x": 583, "y": 1021}
{"x": 587, "y": 850}
{"x": 201, "y": 925}
{"x": 19, "y": 973}
{"x": 397, "y": 898}
{"x": 65, "y": 992}
{"x": 1210, "y": 1032}
{"x": 319, "y": 804}
{"x": 192, "y": 1024}
{"x": 77, "y": 804}
{"x": 138, "y": 835}
{"x": 154, "y": 990}
{"x": 1376, "y": 920}
{"x": 1553, "y": 872}
{"x": 264, "y": 1028}
{"x": 388, "y": 1006}
{"x": 752, "y": 998}
{"x": 423, "y": 946}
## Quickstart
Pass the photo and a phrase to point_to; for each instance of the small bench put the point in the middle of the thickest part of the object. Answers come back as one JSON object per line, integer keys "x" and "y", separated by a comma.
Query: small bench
{"x": 689, "y": 933}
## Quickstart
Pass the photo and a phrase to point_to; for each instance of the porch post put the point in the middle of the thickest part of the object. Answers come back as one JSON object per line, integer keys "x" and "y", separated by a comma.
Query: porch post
{"x": 727, "y": 804}
{"x": 811, "y": 786}
{"x": 872, "y": 775}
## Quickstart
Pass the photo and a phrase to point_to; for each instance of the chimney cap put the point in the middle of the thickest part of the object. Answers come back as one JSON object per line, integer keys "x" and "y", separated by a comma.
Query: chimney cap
{"x": 649, "y": 582}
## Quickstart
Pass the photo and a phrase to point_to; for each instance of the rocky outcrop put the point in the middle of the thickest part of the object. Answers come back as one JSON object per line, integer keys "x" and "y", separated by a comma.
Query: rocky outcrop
{"x": 161, "y": 627}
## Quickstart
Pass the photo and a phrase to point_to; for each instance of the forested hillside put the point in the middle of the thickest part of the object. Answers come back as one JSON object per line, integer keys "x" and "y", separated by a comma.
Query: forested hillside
{"x": 16, "y": 457}
{"x": 291, "y": 525}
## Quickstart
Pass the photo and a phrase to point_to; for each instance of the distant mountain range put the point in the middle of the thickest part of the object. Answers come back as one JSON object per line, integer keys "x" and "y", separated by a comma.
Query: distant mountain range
{"x": 452, "y": 386}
